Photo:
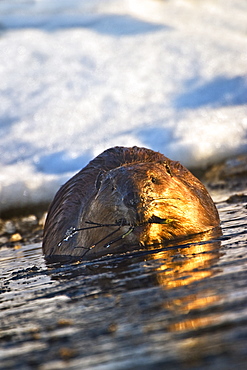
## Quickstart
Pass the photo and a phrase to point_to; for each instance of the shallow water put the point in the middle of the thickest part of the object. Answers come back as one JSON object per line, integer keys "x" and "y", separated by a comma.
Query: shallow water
{"x": 179, "y": 307}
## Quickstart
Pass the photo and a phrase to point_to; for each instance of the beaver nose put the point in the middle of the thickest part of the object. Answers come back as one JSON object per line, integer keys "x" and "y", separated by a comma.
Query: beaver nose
{"x": 132, "y": 199}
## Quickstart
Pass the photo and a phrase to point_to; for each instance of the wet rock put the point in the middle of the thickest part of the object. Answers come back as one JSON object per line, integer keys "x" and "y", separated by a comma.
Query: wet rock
{"x": 27, "y": 222}
{"x": 9, "y": 227}
{"x": 15, "y": 237}
{"x": 230, "y": 174}
{"x": 237, "y": 198}
{"x": 3, "y": 240}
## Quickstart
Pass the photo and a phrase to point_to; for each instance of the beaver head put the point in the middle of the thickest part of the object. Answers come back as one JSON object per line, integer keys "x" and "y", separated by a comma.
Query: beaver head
{"x": 126, "y": 196}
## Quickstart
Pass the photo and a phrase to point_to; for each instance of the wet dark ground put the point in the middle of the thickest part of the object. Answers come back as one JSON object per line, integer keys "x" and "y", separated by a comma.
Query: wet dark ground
{"x": 177, "y": 307}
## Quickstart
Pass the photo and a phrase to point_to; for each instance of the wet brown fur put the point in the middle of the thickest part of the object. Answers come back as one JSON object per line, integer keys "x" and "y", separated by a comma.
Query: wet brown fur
{"x": 146, "y": 196}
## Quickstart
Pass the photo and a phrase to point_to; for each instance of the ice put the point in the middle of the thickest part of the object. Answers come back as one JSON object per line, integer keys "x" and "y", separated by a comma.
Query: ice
{"x": 78, "y": 77}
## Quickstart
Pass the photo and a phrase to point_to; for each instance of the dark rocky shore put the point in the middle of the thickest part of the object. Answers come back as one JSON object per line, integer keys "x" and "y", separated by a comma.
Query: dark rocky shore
{"x": 21, "y": 230}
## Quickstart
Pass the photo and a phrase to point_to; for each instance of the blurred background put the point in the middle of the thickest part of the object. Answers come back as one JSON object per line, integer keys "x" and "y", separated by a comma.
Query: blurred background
{"x": 80, "y": 76}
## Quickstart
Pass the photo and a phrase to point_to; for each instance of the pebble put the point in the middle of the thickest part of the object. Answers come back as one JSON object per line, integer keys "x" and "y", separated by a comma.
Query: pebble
{"x": 15, "y": 237}
{"x": 3, "y": 240}
{"x": 27, "y": 222}
{"x": 9, "y": 227}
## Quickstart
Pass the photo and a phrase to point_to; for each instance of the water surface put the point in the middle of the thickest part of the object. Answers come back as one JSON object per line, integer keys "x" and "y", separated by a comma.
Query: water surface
{"x": 182, "y": 307}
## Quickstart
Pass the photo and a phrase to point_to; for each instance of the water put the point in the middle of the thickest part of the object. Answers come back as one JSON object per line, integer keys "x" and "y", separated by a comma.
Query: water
{"x": 183, "y": 307}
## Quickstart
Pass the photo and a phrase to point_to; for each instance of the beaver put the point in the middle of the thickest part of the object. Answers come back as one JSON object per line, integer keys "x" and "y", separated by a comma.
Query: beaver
{"x": 126, "y": 197}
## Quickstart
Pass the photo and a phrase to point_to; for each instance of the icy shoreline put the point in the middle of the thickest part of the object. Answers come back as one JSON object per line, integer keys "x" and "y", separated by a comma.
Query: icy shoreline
{"x": 78, "y": 79}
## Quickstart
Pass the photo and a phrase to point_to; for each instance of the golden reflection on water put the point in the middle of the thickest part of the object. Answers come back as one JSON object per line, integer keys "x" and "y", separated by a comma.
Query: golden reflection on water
{"x": 187, "y": 267}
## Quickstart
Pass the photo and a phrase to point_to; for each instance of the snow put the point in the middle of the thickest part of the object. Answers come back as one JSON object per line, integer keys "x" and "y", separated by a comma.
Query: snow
{"x": 78, "y": 77}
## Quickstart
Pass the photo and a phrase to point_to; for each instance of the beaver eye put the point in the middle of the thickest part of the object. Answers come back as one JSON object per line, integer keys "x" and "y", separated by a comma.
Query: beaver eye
{"x": 168, "y": 169}
{"x": 154, "y": 180}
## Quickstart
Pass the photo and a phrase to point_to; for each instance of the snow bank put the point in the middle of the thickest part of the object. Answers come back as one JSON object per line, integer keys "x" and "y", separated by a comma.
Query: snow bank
{"x": 78, "y": 77}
